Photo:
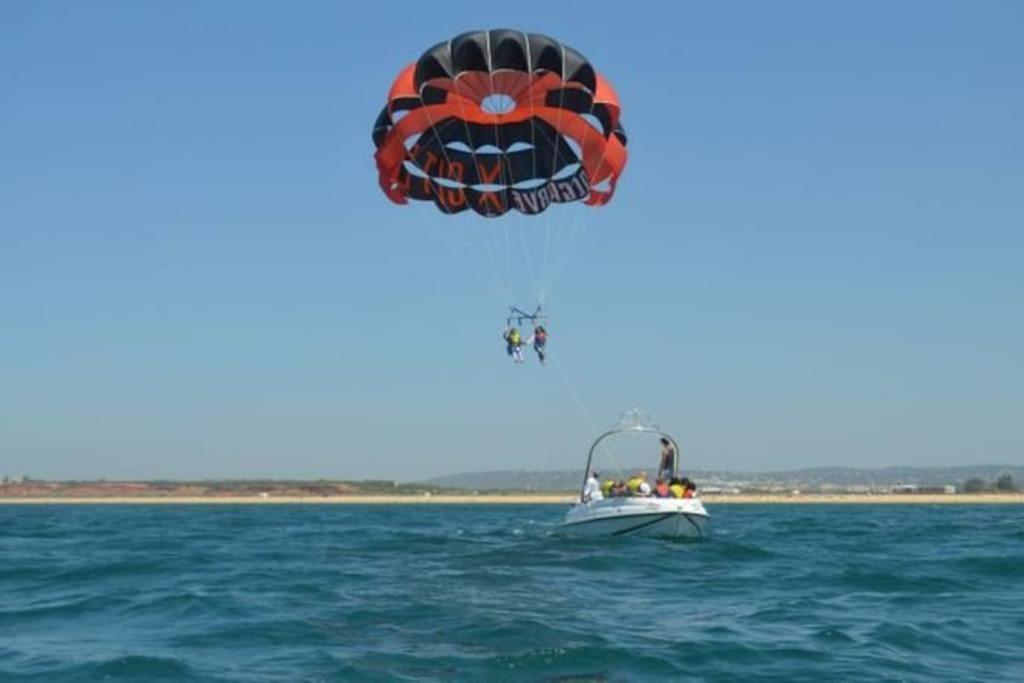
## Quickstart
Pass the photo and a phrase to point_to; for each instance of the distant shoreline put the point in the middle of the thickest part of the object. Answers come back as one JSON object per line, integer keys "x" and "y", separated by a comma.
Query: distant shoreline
{"x": 521, "y": 499}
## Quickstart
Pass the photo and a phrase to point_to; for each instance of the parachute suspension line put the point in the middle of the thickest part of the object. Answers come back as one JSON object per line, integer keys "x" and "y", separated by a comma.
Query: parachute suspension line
{"x": 444, "y": 150}
{"x": 528, "y": 257}
{"x": 565, "y": 244}
{"x": 484, "y": 257}
{"x": 533, "y": 157}
{"x": 579, "y": 225}
{"x": 509, "y": 269}
{"x": 544, "y": 246}
{"x": 502, "y": 165}
{"x": 554, "y": 250}
{"x": 560, "y": 246}
{"x": 500, "y": 263}
{"x": 463, "y": 248}
{"x": 500, "y": 283}
{"x": 503, "y": 282}
{"x": 544, "y": 262}
{"x": 542, "y": 295}
{"x": 568, "y": 234}
{"x": 559, "y": 240}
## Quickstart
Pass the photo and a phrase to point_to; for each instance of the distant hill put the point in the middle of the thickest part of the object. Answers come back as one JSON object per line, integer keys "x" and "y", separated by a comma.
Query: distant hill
{"x": 809, "y": 478}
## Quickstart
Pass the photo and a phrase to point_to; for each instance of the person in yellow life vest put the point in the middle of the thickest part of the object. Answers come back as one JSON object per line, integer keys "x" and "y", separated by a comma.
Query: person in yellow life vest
{"x": 514, "y": 344}
{"x": 675, "y": 487}
{"x": 638, "y": 485}
{"x": 606, "y": 487}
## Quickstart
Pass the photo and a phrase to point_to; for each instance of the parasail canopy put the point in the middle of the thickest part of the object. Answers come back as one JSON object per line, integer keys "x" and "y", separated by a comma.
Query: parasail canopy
{"x": 500, "y": 120}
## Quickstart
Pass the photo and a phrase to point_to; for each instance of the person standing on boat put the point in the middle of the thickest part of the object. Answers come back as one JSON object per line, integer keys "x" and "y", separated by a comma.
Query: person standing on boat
{"x": 667, "y": 464}
{"x": 592, "y": 489}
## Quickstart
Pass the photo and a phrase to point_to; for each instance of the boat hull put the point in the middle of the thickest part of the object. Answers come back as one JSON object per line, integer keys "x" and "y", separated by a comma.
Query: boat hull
{"x": 651, "y": 517}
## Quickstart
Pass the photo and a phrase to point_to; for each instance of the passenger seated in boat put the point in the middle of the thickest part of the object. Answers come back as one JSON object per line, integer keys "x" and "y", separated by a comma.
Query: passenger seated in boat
{"x": 676, "y": 488}
{"x": 619, "y": 489}
{"x": 633, "y": 484}
{"x": 592, "y": 489}
{"x": 661, "y": 488}
{"x": 689, "y": 488}
{"x": 643, "y": 489}
{"x": 606, "y": 487}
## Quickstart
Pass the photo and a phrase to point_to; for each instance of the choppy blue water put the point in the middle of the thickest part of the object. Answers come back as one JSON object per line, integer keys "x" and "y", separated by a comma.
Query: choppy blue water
{"x": 323, "y": 593}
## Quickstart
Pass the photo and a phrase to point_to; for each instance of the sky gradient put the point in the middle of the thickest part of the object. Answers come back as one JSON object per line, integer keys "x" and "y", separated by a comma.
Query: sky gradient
{"x": 815, "y": 255}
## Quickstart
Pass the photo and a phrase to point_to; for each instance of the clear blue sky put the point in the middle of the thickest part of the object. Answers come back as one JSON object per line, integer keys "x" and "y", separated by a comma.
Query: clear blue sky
{"x": 815, "y": 256}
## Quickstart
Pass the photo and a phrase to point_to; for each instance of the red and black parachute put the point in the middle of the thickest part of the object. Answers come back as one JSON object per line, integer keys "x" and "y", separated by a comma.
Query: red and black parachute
{"x": 499, "y": 120}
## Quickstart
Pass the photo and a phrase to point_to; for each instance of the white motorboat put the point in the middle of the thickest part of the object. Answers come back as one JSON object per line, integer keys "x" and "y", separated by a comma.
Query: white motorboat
{"x": 636, "y": 515}
{"x": 629, "y": 516}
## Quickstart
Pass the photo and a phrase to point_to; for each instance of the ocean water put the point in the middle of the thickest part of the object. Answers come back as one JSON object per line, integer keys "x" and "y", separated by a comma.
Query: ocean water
{"x": 479, "y": 593}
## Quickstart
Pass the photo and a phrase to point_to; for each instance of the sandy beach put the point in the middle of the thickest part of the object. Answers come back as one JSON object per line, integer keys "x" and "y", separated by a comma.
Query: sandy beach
{"x": 303, "y": 500}
{"x": 872, "y": 499}
{"x": 522, "y": 499}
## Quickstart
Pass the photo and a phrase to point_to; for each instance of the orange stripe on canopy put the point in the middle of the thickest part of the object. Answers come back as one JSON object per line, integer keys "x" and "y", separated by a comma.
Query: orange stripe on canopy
{"x": 404, "y": 86}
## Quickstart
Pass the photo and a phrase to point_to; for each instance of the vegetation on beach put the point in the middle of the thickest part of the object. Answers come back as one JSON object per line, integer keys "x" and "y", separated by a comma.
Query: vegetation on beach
{"x": 1004, "y": 483}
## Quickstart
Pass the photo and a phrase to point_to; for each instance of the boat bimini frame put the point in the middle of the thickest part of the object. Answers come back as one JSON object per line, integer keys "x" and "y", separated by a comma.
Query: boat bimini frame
{"x": 631, "y": 421}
